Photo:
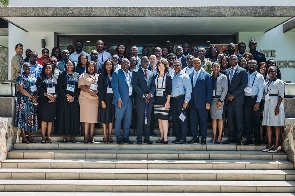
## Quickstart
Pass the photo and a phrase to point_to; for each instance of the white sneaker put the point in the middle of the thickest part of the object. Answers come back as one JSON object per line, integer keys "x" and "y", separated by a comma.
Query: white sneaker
{"x": 268, "y": 149}
{"x": 274, "y": 151}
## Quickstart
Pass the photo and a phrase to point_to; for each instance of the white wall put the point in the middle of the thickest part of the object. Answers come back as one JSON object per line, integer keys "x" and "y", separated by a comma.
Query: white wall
{"x": 4, "y": 41}
{"x": 148, "y": 3}
{"x": 275, "y": 39}
{"x": 30, "y": 40}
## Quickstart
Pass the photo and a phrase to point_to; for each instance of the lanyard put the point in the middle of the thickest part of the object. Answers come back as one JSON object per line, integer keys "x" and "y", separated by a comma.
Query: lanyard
{"x": 214, "y": 82}
{"x": 253, "y": 79}
{"x": 52, "y": 81}
{"x": 107, "y": 81}
{"x": 129, "y": 77}
{"x": 146, "y": 110}
{"x": 93, "y": 78}
{"x": 102, "y": 56}
{"x": 67, "y": 77}
{"x": 268, "y": 84}
{"x": 164, "y": 77}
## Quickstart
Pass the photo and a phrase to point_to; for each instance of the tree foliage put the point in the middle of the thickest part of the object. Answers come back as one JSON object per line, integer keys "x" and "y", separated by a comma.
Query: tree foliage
{"x": 3, "y": 3}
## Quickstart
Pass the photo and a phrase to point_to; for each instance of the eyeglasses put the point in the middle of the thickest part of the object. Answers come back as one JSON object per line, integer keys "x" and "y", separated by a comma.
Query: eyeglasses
{"x": 53, "y": 61}
{"x": 114, "y": 58}
{"x": 271, "y": 71}
{"x": 45, "y": 52}
{"x": 145, "y": 61}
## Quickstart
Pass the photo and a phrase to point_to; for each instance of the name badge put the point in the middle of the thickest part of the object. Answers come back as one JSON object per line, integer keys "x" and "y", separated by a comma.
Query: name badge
{"x": 267, "y": 97}
{"x": 214, "y": 93}
{"x": 33, "y": 88}
{"x": 51, "y": 90}
{"x": 93, "y": 87}
{"x": 70, "y": 87}
{"x": 248, "y": 90}
{"x": 130, "y": 91}
{"x": 182, "y": 117}
{"x": 160, "y": 93}
{"x": 109, "y": 90}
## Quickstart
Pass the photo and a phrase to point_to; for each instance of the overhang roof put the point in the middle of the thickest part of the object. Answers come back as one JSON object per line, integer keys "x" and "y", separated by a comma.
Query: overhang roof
{"x": 148, "y": 20}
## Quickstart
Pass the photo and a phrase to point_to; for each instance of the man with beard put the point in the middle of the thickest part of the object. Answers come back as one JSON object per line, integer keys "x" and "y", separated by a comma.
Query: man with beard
{"x": 44, "y": 59}
{"x": 258, "y": 56}
{"x": 231, "y": 49}
{"x": 185, "y": 48}
{"x": 189, "y": 62}
{"x": 134, "y": 52}
{"x": 170, "y": 47}
{"x": 102, "y": 54}
{"x": 241, "y": 49}
{"x": 158, "y": 53}
{"x": 171, "y": 58}
{"x": 164, "y": 53}
{"x": 180, "y": 57}
{"x": 253, "y": 96}
{"x": 79, "y": 50}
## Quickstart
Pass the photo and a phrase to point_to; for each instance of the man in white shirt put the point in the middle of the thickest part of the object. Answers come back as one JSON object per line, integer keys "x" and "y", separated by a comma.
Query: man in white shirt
{"x": 79, "y": 50}
{"x": 102, "y": 54}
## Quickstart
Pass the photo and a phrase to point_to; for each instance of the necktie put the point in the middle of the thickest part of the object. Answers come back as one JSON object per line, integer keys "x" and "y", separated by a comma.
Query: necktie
{"x": 145, "y": 74}
{"x": 195, "y": 79}
{"x": 231, "y": 74}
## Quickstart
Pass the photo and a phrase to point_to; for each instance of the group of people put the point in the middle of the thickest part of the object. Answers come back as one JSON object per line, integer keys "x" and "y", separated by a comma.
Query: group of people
{"x": 74, "y": 89}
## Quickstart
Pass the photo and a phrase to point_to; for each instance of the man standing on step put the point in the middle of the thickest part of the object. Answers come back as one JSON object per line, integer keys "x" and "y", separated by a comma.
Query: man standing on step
{"x": 200, "y": 102}
{"x": 237, "y": 82}
{"x": 144, "y": 87}
{"x": 123, "y": 100}
{"x": 253, "y": 96}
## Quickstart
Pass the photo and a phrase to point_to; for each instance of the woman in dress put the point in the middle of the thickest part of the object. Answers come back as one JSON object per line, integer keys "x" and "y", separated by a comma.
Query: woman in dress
{"x": 220, "y": 87}
{"x": 26, "y": 107}
{"x": 47, "y": 90}
{"x": 163, "y": 83}
{"x": 82, "y": 63}
{"x": 88, "y": 100}
{"x": 273, "y": 114}
{"x": 68, "y": 115}
{"x": 106, "y": 108}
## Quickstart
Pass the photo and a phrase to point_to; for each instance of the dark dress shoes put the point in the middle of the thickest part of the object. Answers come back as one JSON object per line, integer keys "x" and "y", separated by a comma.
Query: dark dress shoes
{"x": 180, "y": 142}
{"x": 147, "y": 141}
{"x": 165, "y": 142}
{"x": 160, "y": 141}
{"x": 248, "y": 142}
{"x": 203, "y": 142}
{"x": 229, "y": 141}
{"x": 239, "y": 143}
{"x": 139, "y": 142}
{"x": 194, "y": 141}
{"x": 175, "y": 141}
{"x": 127, "y": 141}
{"x": 119, "y": 141}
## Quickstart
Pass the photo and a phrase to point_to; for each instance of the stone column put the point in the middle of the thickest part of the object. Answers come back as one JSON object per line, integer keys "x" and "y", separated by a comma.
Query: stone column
{"x": 8, "y": 136}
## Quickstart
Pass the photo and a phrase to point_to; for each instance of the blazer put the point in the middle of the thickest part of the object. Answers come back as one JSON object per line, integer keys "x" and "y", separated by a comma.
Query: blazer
{"x": 221, "y": 87}
{"x": 120, "y": 87}
{"x": 143, "y": 86}
{"x": 102, "y": 86}
{"x": 237, "y": 85}
{"x": 202, "y": 92}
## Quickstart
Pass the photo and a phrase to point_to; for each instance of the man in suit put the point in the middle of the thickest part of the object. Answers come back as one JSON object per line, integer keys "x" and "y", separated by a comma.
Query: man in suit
{"x": 237, "y": 82}
{"x": 200, "y": 101}
{"x": 123, "y": 100}
{"x": 144, "y": 87}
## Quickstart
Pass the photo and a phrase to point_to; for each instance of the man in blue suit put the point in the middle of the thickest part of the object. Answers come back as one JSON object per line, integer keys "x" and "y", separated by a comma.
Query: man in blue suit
{"x": 144, "y": 87}
{"x": 237, "y": 82}
{"x": 200, "y": 101}
{"x": 123, "y": 100}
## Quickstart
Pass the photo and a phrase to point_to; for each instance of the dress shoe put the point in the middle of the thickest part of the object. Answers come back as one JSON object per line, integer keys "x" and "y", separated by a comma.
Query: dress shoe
{"x": 194, "y": 141}
{"x": 139, "y": 142}
{"x": 175, "y": 141}
{"x": 127, "y": 141}
{"x": 165, "y": 142}
{"x": 160, "y": 141}
{"x": 180, "y": 142}
{"x": 248, "y": 142}
{"x": 257, "y": 143}
{"x": 239, "y": 143}
{"x": 147, "y": 141}
{"x": 203, "y": 142}
{"x": 119, "y": 141}
{"x": 229, "y": 141}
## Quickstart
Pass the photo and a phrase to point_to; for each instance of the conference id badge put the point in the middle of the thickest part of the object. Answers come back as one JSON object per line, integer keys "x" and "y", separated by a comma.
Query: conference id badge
{"x": 109, "y": 90}
{"x": 182, "y": 117}
{"x": 145, "y": 121}
{"x": 267, "y": 97}
{"x": 159, "y": 93}
{"x": 93, "y": 87}
{"x": 51, "y": 90}
{"x": 33, "y": 88}
{"x": 130, "y": 91}
{"x": 70, "y": 87}
{"x": 214, "y": 93}
{"x": 248, "y": 90}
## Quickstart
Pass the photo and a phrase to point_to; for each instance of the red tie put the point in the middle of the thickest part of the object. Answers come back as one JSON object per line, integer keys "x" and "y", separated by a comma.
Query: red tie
{"x": 145, "y": 74}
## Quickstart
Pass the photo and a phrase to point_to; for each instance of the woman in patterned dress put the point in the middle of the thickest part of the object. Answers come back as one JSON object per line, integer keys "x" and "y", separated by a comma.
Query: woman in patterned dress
{"x": 26, "y": 107}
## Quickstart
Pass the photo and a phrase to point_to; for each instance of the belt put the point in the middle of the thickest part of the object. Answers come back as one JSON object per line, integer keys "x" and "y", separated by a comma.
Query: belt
{"x": 177, "y": 96}
{"x": 218, "y": 96}
{"x": 273, "y": 95}
{"x": 253, "y": 96}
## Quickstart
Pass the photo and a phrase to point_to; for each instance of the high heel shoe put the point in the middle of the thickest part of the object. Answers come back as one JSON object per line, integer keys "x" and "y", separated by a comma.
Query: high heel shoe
{"x": 25, "y": 141}
{"x": 43, "y": 141}
{"x": 105, "y": 140}
{"x": 165, "y": 142}
{"x": 48, "y": 140}
{"x": 274, "y": 151}
{"x": 268, "y": 149}
{"x": 160, "y": 141}
{"x": 110, "y": 140}
{"x": 31, "y": 140}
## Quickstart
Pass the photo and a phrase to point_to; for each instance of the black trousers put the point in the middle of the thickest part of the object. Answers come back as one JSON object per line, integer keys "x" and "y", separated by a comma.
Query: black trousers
{"x": 142, "y": 128}
{"x": 234, "y": 121}
{"x": 252, "y": 119}
{"x": 179, "y": 126}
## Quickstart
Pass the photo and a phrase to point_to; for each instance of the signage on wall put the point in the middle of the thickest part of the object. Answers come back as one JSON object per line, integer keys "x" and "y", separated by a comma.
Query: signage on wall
{"x": 280, "y": 63}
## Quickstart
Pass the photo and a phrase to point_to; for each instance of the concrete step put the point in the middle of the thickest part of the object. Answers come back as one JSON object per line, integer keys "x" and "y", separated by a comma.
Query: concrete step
{"x": 137, "y": 194}
{"x": 145, "y": 154}
{"x": 147, "y": 174}
{"x": 147, "y": 186}
{"x": 148, "y": 164}
{"x": 135, "y": 147}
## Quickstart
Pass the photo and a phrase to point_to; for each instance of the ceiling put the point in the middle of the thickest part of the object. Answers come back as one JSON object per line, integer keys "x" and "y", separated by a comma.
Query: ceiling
{"x": 146, "y": 25}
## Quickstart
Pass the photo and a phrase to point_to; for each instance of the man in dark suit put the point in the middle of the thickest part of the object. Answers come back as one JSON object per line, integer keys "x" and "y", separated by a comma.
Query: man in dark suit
{"x": 237, "y": 82}
{"x": 200, "y": 101}
{"x": 123, "y": 100}
{"x": 144, "y": 87}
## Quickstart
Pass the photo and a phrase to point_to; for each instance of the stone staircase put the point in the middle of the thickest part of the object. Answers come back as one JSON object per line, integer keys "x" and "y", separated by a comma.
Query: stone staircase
{"x": 79, "y": 169}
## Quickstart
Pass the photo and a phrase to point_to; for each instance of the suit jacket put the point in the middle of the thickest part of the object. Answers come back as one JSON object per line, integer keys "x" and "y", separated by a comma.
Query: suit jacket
{"x": 237, "y": 85}
{"x": 221, "y": 87}
{"x": 202, "y": 92}
{"x": 120, "y": 87}
{"x": 16, "y": 63}
{"x": 143, "y": 86}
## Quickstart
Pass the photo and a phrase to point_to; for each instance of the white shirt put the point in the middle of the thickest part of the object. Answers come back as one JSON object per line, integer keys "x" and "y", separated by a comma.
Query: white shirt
{"x": 75, "y": 55}
{"x": 188, "y": 70}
